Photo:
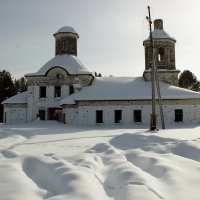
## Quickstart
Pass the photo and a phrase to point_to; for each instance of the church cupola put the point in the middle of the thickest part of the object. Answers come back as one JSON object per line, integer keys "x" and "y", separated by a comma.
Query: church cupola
{"x": 66, "y": 41}
{"x": 164, "y": 55}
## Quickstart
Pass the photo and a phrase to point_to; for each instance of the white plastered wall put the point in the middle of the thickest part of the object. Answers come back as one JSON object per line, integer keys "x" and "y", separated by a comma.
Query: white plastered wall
{"x": 86, "y": 115}
{"x": 35, "y": 103}
{"x": 15, "y": 115}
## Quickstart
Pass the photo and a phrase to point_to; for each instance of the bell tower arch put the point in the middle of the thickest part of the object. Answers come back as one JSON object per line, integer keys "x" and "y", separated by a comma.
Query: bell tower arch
{"x": 164, "y": 55}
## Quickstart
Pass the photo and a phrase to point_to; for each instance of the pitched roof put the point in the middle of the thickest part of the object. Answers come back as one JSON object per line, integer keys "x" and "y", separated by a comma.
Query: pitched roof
{"x": 70, "y": 63}
{"x": 19, "y": 98}
{"x": 160, "y": 34}
{"x": 117, "y": 88}
{"x": 126, "y": 88}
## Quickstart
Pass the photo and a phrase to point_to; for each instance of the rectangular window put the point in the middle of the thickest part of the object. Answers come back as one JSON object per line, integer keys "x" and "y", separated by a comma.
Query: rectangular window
{"x": 42, "y": 91}
{"x": 99, "y": 116}
{"x": 178, "y": 115}
{"x": 137, "y": 116}
{"x": 57, "y": 91}
{"x": 71, "y": 89}
{"x": 118, "y": 116}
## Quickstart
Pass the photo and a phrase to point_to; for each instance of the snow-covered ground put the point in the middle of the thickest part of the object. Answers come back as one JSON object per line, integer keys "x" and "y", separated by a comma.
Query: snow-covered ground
{"x": 49, "y": 160}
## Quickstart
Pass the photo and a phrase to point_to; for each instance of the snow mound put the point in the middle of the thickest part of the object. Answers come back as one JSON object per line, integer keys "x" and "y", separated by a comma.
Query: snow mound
{"x": 132, "y": 141}
{"x": 63, "y": 180}
{"x": 58, "y": 162}
{"x": 10, "y": 153}
{"x": 189, "y": 150}
{"x": 102, "y": 148}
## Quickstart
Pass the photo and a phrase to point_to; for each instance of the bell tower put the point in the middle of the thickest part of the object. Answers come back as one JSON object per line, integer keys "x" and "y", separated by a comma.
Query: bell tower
{"x": 164, "y": 55}
{"x": 66, "y": 41}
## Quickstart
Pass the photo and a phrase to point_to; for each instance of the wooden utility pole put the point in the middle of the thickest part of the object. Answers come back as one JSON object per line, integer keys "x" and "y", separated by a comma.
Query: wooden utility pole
{"x": 155, "y": 83}
{"x": 153, "y": 113}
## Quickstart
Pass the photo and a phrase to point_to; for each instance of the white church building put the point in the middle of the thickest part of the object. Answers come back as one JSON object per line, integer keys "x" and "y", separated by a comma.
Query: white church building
{"x": 65, "y": 90}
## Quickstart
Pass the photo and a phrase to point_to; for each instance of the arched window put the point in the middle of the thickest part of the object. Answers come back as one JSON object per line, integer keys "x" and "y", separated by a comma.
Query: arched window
{"x": 161, "y": 53}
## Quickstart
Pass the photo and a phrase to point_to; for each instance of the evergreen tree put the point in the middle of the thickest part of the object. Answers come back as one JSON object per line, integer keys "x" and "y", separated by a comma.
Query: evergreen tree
{"x": 187, "y": 79}
{"x": 7, "y": 89}
{"x": 20, "y": 84}
{"x": 196, "y": 86}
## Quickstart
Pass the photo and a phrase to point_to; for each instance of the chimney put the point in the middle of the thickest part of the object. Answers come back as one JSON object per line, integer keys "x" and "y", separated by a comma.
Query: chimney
{"x": 158, "y": 24}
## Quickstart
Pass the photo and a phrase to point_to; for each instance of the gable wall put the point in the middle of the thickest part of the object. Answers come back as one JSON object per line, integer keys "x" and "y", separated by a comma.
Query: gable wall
{"x": 57, "y": 76}
{"x": 15, "y": 114}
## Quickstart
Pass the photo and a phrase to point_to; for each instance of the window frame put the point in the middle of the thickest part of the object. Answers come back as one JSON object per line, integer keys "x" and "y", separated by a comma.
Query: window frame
{"x": 43, "y": 92}
{"x": 137, "y": 116}
{"x": 56, "y": 91}
{"x": 178, "y": 115}
{"x": 118, "y": 116}
{"x": 99, "y": 116}
{"x": 71, "y": 89}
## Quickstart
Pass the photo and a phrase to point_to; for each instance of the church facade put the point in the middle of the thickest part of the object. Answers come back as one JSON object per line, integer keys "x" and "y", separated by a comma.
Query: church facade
{"x": 65, "y": 90}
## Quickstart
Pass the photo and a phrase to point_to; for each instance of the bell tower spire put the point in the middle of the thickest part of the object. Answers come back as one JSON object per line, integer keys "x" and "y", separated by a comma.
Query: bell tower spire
{"x": 164, "y": 47}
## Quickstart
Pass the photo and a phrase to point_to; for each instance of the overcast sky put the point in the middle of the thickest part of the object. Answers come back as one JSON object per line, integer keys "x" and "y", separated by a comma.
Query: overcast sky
{"x": 111, "y": 33}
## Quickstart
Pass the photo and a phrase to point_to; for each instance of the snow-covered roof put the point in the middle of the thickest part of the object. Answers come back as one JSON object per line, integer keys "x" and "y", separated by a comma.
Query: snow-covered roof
{"x": 19, "y": 98}
{"x": 70, "y": 63}
{"x": 66, "y": 29}
{"x": 160, "y": 34}
{"x": 126, "y": 88}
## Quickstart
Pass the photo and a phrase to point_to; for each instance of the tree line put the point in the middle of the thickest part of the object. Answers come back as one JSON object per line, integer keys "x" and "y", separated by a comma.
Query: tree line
{"x": 189, "y": 81}
{"x": 10, "y": 87}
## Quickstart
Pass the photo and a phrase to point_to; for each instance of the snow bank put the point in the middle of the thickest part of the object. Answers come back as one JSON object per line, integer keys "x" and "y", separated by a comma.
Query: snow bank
{"x": 57, "y": 162}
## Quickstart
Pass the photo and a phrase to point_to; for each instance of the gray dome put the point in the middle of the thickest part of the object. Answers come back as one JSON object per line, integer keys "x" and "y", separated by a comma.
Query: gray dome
{"x": 66, "y": 29}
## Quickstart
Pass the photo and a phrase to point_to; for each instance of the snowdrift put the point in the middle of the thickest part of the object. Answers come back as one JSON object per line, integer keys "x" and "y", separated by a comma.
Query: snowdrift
{"x": 56, "y": 162}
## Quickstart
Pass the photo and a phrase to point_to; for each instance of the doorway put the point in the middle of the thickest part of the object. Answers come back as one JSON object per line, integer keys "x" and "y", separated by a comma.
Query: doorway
{"x": 42, "y": 114}
{"x": 55, "y": 114}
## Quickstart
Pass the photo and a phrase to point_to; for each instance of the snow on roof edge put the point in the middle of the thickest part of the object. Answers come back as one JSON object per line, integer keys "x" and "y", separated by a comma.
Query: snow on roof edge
{"x": 118, "y": 89}
{"x": 160, "y": 34}
{"x": 69, "y": 63}
{"x": 20, "y": 98}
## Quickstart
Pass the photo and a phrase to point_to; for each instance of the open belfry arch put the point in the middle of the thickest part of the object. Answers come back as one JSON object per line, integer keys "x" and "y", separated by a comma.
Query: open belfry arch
{"x": 164, "y": 47}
